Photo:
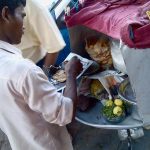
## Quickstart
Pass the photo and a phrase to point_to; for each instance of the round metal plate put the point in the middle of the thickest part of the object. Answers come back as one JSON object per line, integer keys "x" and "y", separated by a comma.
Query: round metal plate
{"x": 94, "y": 118}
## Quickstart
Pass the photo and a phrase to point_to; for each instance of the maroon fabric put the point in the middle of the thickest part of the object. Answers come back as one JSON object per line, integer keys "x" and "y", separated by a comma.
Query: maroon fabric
{"x": 120, "y": 19}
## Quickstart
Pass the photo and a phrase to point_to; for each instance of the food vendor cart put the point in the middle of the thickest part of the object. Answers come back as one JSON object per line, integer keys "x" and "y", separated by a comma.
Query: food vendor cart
{"x": 127, "y": 25}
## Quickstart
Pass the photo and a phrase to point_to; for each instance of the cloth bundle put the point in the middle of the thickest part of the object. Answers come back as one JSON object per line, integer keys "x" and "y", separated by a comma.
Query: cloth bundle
{"x": 119, "y": 19}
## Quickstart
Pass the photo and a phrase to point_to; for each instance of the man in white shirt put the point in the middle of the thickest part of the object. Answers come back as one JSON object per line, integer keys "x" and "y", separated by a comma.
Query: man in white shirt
{"x": 32, "y": 113}
{"x": 42, "y": 39}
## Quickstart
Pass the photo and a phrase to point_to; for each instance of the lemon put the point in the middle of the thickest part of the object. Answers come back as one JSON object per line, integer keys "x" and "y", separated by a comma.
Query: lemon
{"x": 109, "y": 103}
{"x": 117, "y": 111}
{"x": 118, "y": 102}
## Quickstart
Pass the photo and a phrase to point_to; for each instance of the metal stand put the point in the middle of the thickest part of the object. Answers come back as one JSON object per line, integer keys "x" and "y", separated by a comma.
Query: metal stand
{"x": 129, "y": 140}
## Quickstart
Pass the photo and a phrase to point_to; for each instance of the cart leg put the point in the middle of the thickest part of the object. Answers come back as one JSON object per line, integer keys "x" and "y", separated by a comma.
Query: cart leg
{"x": 129, "y": 139}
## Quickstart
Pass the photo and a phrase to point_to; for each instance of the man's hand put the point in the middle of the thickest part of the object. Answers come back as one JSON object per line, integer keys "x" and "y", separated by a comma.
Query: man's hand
{"x": 73, "y": 67}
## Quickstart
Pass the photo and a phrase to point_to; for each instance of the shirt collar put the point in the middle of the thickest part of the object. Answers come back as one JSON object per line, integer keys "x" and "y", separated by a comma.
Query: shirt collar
{"x": 9, "y": 48}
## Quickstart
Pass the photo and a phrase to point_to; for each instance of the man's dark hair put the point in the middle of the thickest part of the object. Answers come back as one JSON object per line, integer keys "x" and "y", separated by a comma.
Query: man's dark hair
{"x": 11, "y": 4}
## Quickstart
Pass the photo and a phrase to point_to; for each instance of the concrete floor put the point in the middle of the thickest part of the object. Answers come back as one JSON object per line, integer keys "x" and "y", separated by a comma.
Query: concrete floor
{"x": 89, "y": 138}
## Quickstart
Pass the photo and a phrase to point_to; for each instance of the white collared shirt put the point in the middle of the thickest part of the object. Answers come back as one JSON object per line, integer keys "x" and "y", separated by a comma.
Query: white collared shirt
{"x": 41, "y": 34}
{"x": 32, "y": 112}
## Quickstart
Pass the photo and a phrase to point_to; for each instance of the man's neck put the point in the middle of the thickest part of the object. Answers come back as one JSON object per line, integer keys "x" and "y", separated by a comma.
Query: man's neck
{"x": 3, "y": 36}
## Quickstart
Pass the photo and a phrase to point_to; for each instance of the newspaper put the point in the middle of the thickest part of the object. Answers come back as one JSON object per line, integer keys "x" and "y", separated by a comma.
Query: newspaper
{"x": 109, "y": 85}
{"x": 110, "y": 80}
{"x": 85, "y": 62}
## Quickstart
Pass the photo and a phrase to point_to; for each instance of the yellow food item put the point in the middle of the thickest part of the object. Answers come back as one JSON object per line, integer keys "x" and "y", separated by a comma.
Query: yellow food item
{"x": 117, "y": 111}
{"x": 96, "y": 87}
{"x": 109, "y": 103}
{"x": 118, "y": 102}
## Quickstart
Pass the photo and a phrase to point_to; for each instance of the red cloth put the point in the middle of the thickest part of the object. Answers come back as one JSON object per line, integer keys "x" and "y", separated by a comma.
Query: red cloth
{"x": 119, "y": 19}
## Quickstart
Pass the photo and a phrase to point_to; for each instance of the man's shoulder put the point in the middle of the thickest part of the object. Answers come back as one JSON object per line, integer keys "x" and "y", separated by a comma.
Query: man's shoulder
{"x": 23, "y": 65}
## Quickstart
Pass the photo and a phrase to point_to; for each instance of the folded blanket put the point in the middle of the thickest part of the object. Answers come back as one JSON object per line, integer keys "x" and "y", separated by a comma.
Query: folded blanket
{"x": 119, "y": 19}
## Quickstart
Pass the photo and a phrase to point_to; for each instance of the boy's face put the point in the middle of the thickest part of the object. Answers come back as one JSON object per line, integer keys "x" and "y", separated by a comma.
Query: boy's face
{"x": 15, "y": 27}
{"x": 12, "y": 25}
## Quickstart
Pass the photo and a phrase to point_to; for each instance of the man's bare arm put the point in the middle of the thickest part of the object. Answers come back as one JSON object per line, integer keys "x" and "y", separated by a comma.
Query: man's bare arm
{"x": 73, "y": 68}
{"x": 50, "y": 59}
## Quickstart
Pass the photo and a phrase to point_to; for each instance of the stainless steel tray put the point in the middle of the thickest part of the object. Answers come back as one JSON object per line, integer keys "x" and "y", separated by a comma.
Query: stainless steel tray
{"x": 94, "y": 118}
{"x": 125, "y": 92}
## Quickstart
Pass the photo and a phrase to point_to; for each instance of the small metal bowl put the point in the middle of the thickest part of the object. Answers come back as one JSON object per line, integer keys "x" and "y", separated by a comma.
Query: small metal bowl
{"x": 115, "y": 119}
